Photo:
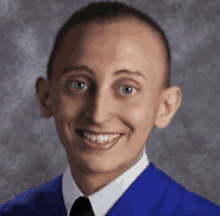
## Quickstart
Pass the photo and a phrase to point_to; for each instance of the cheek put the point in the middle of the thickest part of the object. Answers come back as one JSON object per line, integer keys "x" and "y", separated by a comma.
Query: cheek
{"x": 138, "y": 113}
{"x": 141, "y": 116}
{"x": 68, "y": 108}
{"x": 132, "y": 113}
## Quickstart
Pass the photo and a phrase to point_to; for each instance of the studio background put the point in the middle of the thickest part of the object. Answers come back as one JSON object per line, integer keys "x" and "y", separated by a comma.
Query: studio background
{"x": 188, "y": 150}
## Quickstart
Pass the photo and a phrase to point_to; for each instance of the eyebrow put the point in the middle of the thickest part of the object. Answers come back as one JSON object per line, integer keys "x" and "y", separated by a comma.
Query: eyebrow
{"x": 83, "y": 67}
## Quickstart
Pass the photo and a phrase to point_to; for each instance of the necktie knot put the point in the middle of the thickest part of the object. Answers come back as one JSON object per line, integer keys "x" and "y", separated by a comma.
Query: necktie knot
{"x": 82, "y": 207}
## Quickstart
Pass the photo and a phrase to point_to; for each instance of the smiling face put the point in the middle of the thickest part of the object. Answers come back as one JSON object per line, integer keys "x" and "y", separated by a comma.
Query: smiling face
{"x": 95, "y": 97}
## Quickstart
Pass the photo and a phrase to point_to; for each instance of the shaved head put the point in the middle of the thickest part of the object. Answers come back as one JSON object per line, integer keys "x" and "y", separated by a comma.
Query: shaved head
{"x": 109, "y": 13}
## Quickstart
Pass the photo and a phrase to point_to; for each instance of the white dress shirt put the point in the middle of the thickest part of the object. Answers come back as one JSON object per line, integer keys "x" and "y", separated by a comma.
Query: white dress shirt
{"x": 104, "y": 199}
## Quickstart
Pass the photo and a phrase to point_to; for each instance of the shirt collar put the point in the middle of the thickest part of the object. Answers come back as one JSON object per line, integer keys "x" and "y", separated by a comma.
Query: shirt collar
{"x": 105, "y": 198}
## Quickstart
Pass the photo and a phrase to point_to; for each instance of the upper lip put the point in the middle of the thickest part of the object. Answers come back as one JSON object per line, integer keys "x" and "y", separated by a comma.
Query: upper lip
{"x": 92, "y": 132}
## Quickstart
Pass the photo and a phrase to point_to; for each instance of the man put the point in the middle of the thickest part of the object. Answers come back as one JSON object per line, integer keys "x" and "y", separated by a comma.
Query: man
{"x": 107, "y": 89}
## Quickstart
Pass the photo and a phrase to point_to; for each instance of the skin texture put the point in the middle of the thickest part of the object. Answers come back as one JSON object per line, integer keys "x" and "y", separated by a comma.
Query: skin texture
{"x": 103, "y": 103}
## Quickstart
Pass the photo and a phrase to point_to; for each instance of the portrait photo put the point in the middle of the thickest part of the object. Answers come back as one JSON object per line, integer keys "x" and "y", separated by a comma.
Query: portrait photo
{"x": 110, "y": 108}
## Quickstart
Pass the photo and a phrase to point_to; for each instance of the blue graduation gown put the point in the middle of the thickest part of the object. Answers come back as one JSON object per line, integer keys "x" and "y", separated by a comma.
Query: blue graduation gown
{"x": 153, "y": 193}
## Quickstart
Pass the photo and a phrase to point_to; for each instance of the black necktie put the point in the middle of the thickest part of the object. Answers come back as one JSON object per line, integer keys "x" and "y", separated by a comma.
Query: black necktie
{"x": 82, "y": 207}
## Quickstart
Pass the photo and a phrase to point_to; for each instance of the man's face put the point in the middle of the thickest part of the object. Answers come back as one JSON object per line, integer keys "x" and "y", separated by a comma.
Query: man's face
{"x": 102, "y": 102}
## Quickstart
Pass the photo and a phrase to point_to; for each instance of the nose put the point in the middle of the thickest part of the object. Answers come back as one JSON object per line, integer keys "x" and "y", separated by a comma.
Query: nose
{"x": 100, "y": 108}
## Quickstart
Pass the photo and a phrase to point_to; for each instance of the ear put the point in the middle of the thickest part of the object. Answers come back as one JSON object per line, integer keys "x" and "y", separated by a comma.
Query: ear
{"x": 169, "y": 104}
{"x": 43, "y": 94}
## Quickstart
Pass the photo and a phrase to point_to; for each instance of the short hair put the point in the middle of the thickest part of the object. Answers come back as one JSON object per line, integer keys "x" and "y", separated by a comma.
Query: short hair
{"x": 104, "y": 12}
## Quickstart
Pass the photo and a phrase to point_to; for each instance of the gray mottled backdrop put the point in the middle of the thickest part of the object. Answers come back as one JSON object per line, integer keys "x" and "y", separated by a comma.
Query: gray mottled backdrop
{"x": 188, "y": 150}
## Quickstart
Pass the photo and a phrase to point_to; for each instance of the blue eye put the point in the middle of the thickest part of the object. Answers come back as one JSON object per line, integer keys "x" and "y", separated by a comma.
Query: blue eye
{"x": 78, "y": 82}
{"x": 80, "y": 85}
{"x": 128, "y": 88}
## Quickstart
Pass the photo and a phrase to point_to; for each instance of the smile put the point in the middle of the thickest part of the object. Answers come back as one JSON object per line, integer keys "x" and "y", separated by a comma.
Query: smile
{"x": 101, "y": 142}
{"x": 98, "y": 138}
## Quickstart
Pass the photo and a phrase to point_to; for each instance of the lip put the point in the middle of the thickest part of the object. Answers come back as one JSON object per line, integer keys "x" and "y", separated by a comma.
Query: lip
{"x": 100, "y": 146}
{"x": 80, "y": 131}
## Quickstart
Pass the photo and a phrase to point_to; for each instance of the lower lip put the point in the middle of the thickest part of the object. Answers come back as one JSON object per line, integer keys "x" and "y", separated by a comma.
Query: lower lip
{"x": 101, "y": 146}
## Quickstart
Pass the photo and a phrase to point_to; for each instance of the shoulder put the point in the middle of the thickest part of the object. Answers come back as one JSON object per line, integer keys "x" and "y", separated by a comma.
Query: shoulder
{"x": 35, "y": 200}
{"x": 176, "y": 198}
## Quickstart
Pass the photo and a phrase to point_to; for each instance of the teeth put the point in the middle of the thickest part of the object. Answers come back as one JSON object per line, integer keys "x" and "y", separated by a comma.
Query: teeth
{"x": 100, "y": 138}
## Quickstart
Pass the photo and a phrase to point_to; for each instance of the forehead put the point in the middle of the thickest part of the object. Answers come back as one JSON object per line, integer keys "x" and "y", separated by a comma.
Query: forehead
{"x": 93, "y": 36}
{"x": 122, "y": 43}
{"x": 118, "y": 31}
